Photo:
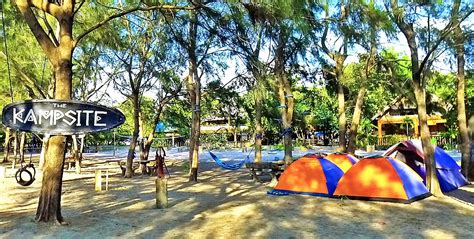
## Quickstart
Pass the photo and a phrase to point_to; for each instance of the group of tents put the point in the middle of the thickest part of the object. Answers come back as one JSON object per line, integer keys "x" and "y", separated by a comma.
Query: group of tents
{"x": 398, "y": 175}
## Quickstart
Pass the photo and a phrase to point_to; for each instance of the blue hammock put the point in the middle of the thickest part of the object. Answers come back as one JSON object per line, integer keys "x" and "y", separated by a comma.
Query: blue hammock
{"x": 233, "y": 166}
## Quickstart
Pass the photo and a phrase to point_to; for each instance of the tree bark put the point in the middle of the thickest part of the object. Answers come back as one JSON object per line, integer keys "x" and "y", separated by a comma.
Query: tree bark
{"x": 22, "y": 147}
{"x": 356, "y": 118}
{"x": 16, "y": 143}
{"x": 6, "y": 146}
{"x": 44, "y": 147}
{"x": 285, "y": 95}
{"x": 75, "y": 154}
{"x": 81, "y": 148}
{"x": 194, "y": 91}
{"x": 146, "y": 144}
{"x": 428, "y": 149}
{"x": 360, "y": 100}
{"x": 49, "y": 206}
{"x": 460, "y": 95}
{"x": 418, "y": 84}
{"x": 196, "y": 128}
{"x": 258, "y": 126}
{"x": 136, "y": 129}
{"x": 339, "y": 57}
{"x": 341, "y": 103}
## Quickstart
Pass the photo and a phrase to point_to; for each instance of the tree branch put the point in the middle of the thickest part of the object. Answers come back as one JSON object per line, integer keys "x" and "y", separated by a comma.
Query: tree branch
{"x": 46, "y": 6}
{"x": 444, "y": 34}
{"x": 39, "y": 33}
{"x": 325, "y": 32}
{"x": 26, "y": 79}
{"x": 50, "y": 29}
{"x": 79, "y": 7}
{"x": 125, "y": 12}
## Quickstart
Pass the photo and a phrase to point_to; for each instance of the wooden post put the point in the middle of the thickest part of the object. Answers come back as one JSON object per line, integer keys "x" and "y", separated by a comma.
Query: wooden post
{"x": 161, "y": 192}
{"x": 161, "y": 182}
{"x": 379, "y": 130}
{"x": 107, "y": 180}
{"x": 416, "y": 127}
{"x": 98, "y": 180}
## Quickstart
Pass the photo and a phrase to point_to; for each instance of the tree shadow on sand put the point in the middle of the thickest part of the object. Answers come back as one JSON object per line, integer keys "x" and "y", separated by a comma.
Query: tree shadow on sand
{"x": 229, "y": 204}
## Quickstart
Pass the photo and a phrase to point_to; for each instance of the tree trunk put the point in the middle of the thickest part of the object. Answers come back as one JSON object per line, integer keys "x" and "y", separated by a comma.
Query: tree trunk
{"x": 341, "y": 108}
{"x": 49, "y": 206}
{"x": 75, "y": 154}
{"x": 360, "y": 99}
{"x": 286, "y": 99}
{"x": 258, "y": 127}
{"x": 16, "y": 144}
{"x": 6, "y": 146}
{"x": 235, "y": 138}
{"x": 431, "y": 179}
{"x": 81, "y": 148}
{"x": 196, "y": 134}
{"x": 419, "y": 88}
{"x": 22, "y": 147}
{"x": 356, "y": 119}
{"x": 136, "y": 129}
{"x": 460, "y": 101}
{"x": 194, "y": 91}
{"x": 44, "y": 147}
{"x": 146, "y": 145}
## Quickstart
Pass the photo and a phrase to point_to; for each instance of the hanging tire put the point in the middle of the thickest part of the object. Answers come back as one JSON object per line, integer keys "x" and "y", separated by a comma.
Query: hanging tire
{"x": 20, "y": 174}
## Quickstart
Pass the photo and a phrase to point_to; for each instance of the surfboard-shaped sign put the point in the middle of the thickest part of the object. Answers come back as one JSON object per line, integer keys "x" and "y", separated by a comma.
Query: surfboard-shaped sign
{"x": 58, "y": 117}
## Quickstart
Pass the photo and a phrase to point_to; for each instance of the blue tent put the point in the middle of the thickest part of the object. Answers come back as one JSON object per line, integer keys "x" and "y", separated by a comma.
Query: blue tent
{"x": 447, "y": 170}
{"x": 160, "y": 127}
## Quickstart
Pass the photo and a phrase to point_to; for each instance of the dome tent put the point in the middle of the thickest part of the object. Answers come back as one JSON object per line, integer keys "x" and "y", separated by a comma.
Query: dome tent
{"x": 447, "y": 170}
{"x": 381, "y": 179}
{"x": 310, "y": 174}
{"x": 344, "y": 161}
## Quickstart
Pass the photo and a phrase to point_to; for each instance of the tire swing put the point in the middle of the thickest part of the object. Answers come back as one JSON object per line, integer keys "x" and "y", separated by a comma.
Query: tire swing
{"x": 24, "y": 170}
{"x": 25, "y": 175}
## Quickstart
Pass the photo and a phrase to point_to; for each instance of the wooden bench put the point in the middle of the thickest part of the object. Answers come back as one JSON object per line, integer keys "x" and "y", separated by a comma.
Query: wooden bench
{"x": 274, "y": 168}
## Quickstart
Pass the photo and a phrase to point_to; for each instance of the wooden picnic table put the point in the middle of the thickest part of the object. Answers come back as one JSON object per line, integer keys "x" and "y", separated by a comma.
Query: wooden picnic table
{"x": 274, "y": 168}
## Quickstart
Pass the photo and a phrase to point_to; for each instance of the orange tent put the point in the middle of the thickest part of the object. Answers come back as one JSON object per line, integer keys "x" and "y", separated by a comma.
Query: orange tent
{"x": 343, "y": 161}
{"x": 383, "y": 179}
{"x": 311, "y": 174}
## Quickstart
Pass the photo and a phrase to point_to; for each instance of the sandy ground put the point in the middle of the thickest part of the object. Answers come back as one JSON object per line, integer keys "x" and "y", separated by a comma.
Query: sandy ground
{"x": 223, "y": 204}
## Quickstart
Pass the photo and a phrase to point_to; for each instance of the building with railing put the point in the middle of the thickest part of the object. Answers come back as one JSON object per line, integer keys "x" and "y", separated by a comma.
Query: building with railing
{"x": 401, "y": 118}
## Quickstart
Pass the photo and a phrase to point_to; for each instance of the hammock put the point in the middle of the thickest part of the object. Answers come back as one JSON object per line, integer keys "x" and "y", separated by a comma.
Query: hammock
{"x": 233, "y": 166}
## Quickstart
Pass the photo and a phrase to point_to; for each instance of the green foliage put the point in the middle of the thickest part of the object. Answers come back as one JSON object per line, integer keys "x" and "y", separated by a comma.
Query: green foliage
{"x": 214, "y": 141}
{"x": 389, "y": 140}
{"x": 178, "y": 115}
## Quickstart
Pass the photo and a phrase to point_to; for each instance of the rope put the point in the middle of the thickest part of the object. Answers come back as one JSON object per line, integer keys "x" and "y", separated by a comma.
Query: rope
{"x": 44, "y": 66}
{"x": 6, "y": 50}
{"x": 286, "y": 132}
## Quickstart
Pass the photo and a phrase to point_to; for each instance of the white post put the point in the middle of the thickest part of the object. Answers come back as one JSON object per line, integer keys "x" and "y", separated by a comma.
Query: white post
{"x": 98, "y": 180}
{"x": 172, "y": 140}
{"x": 114, "y": 143}
{"x": 3, "y": 172}
{"x": 107, "y": 180}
